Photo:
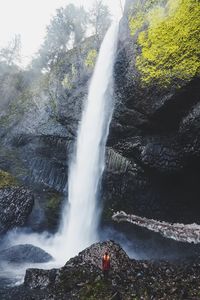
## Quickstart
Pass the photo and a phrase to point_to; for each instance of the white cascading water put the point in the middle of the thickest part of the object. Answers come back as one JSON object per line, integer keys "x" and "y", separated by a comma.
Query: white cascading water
{"x": 81, "y": 215}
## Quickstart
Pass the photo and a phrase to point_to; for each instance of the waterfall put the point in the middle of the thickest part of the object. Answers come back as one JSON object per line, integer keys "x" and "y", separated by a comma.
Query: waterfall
{"x": 80, "y": 217}
{"x": 81, "y": 214}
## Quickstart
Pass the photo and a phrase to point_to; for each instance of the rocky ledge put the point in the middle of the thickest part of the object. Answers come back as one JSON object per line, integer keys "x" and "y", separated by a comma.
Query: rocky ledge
{"x": 81, "y": 278}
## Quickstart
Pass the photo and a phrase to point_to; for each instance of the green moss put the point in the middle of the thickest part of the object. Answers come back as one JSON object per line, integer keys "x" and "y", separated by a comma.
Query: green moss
{"x": 96, "y": 291}
{"x": 170, "y": 46}
{"x": 136, "y": 23}
{"x": 91, "y": 58}
{"x": 74, "y": 71}
{"x": 66, "y": 82}
{"x": 54, "y": 201}
{"x": 7, "y": 180}
{"x": 53, "y": 209}
{"x": 138, "y": 13}
{"x": 4, "y": 120}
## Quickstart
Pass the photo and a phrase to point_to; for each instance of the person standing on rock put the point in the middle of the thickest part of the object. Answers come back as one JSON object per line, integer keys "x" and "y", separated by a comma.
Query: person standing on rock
{"x": 106, "y": 264}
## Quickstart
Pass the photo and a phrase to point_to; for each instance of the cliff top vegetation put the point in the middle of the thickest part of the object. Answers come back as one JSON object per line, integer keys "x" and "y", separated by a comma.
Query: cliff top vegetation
{"x": 168, "y": 35}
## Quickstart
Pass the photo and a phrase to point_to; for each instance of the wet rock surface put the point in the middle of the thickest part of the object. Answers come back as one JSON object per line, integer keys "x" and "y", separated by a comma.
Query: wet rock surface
{"x": 153, "y": 156}
{"x": 153, "y": 151}
{"x": 154, "y": 132}
{"x": 81, "y": 278}
{"x": 16, "y": 204}
{"x": 24, "y": 254}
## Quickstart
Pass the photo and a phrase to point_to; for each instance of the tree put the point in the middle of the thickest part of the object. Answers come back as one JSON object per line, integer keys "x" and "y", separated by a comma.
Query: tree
{"x": 11, "y": 53}
{"x": 65, "y": 31}
{"x": 99, "y": 19}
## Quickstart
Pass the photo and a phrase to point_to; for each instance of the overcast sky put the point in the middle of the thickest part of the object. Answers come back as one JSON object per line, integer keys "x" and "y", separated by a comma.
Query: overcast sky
{"x": 29, "y": 18}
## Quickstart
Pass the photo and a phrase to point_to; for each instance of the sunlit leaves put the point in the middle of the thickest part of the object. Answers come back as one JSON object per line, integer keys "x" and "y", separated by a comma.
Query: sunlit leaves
{"x": 91, "y": 58}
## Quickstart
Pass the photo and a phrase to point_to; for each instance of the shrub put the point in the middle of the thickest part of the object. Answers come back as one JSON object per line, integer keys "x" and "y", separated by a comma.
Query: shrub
{"x": 7, "y": 180}
{"x": 91, "y": 58}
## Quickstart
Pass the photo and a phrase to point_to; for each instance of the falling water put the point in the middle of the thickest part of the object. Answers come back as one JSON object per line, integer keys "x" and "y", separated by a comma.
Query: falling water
{"x": 81, "y": 215}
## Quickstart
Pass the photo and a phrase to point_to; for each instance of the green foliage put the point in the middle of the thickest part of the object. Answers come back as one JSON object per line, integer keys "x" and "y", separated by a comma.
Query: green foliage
{"x": 99, "y": 19}
{"x": 54, "y": 202}
{"x": 136, "y": 23}
{"x": 15, "y": 94}
{"x": 66, "y": 82}
{"x": 91, "y": 58}
{"x": 7, "y": 180}
{"x": 170, "y": 46}
{"x": 70, "y": 77}
{"x": 74, "y": 71}
{"x": 11, "y": 53}
{"x": 65, "y": 31}
{"x": 139, "y": 13}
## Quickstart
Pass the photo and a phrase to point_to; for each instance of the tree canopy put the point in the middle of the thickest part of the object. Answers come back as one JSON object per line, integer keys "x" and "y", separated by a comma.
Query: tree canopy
{"x": 69, "y": 27}
{"x": 10, "y": 54}
{"x": 99, "y": 19}
{"x": 66, "y": 30}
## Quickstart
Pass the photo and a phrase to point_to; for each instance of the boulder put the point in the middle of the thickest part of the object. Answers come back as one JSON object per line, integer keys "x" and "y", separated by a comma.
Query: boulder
{"x": 81, "y": 278}
{"x": 16, "y": 204}
{"x": 24, "y": 254}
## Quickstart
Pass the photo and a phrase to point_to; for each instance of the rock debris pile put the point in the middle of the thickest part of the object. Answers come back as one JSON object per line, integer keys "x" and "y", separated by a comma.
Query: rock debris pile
{"x": 81, "y": 278}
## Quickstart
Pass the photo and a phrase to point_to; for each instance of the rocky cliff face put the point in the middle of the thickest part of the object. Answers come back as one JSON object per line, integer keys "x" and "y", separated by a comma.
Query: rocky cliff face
{"x": 38, "y": 128}
{"x": 154, "y": 167}
{"x": 153, "y": 158}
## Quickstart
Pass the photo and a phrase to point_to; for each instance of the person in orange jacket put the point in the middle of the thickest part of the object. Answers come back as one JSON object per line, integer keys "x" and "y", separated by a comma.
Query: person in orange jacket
{"x": 106, "y": 264}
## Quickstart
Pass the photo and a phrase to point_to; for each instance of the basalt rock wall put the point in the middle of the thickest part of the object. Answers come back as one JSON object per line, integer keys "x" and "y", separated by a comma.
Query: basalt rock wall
{"x": 155, "y": 136}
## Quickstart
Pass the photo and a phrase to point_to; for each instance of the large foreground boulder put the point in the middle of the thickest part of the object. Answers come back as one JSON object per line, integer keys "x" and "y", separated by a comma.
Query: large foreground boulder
{"x": 16, "y": 204}
{"x": 24, "y": 254}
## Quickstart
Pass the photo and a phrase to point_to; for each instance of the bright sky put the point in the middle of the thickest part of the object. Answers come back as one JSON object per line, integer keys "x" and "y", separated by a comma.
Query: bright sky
{"x": 29, "y": 18}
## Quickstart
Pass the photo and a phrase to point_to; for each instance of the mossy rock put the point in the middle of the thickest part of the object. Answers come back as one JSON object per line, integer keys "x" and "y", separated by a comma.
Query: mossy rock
{"x": 53, "y": 208}
{"x": 7, "y": 180}
{"x": 98, "y": 290}
{"x": 168, "y": 41}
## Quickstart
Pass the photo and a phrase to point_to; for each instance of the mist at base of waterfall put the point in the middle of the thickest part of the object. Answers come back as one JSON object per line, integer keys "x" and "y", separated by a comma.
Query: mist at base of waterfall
{"x": 139, "y": 244}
